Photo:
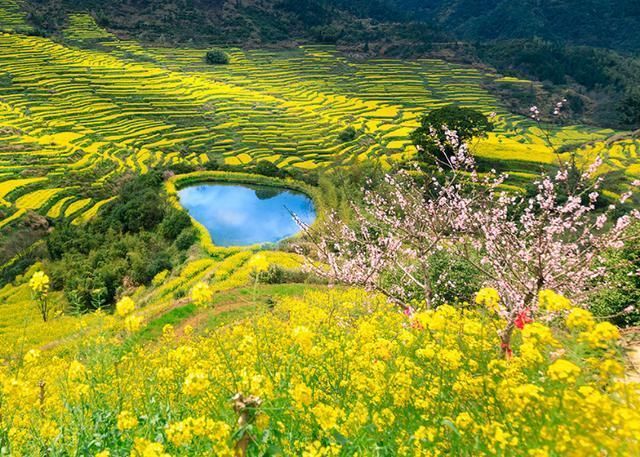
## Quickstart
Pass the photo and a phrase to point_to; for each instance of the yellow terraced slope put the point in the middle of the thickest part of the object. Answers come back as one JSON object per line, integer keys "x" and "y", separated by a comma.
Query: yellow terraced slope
{"x": 75, "y": 116}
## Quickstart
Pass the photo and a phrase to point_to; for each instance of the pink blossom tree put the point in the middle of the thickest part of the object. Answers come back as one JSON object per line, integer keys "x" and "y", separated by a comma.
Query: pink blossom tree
{"x": 520, "y": 244}
{"x": 389, "y": 245}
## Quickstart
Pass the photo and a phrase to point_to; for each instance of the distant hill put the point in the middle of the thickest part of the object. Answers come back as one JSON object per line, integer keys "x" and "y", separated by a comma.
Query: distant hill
{"x": 246, "y": 22}
{"x": 612, "y": 24}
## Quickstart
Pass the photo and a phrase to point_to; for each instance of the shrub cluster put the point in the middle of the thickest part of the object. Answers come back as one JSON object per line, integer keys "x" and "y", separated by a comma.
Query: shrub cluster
{"x": 131, "y": 240}
{"x": 217, "y": 56}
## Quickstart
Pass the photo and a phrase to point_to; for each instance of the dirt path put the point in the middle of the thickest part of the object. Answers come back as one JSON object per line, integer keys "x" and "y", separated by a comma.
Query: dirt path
{"x": 632, "y": 348}
{"x": 633, "y": 373}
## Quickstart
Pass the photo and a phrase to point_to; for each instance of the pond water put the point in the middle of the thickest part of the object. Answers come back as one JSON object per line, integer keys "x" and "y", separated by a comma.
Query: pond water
{"x": 241, "y": 215}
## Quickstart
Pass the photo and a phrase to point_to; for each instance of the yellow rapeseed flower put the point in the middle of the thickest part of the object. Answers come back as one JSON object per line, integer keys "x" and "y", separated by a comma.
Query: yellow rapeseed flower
{"x": 327, "y": 416}
{"x": 39, "y": 283}
{"x": 553, "y": 302}
{"x": 126, "y": 421}
{"x": 463, "y": 420}
{"x": 145, "y": 448}
{"x": 201, "y": 294}
{"x": 259, "y": 263}
{"x": 133, "y": 323}
{"x": 301, "y": 394}
{"x": 303, "y": 336}
{"x": 563, "y": 371}
{"x": 125, "y": 306}
{"x": 195, "y": 383}
{"x": 489, "y": 298}
{"x": 601, "y": 336}
{"x": 49, "y": 430}
{"x": 580, "y": 319}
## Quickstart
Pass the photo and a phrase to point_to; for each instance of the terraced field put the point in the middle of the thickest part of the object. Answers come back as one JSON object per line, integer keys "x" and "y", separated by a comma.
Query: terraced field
{"x": 76, "y": 114}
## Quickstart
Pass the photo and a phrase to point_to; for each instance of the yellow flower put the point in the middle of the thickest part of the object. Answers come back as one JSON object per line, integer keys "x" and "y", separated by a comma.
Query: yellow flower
{"x": 160, "y": 277}
{"x": 384, "y": 419}
{"x": 564, "y": 371}
{"x": 146, "y": 448}
{"x": 77, "y": 371}
{"x": 195, "y": 383}
{"x": 489, "y": 298}
{"x": 201, "y": 294}
{"x": 133, "y": 323}
{"x": 601, "y": 336}
{"x": 32, "y": 356}
{"x": 580, "y": 319}
{"x": 301, "y": 394}
{"x": 553, "y": 302}
{"x": 450, "y": 359}
{"x": 39, "y": 283}
{"x": 126, "y": 421}
{"x": 539, "y": 333}
{"x": 259, "y": 263}
{"x": 179, "y": 433}
{"x": 463, "y": 420}
{"x": 49, "y": 430}
{"x": 168, "y": 332}
{"x": 327, "y": 416}
{"x": 303, "y": 336}
{"x": 125, "y": 306}
{"x": 104, "y": 453}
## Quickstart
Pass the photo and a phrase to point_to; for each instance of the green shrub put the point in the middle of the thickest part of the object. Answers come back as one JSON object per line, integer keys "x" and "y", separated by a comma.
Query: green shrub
{"x": 266, "y": 168}
{"x": 187, "y": 238}
{"x": 277, "y": 274}
{"x": 174, "y": 224}
{"x": 129, "y": 242}
{"x": 617, "y": 296}
{"x": 348, "y": 134}
{"x": 217, "y": 56}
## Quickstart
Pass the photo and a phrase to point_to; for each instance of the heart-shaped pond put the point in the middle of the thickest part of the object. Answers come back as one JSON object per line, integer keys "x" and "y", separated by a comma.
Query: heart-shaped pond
{"x": 242, "y": 215}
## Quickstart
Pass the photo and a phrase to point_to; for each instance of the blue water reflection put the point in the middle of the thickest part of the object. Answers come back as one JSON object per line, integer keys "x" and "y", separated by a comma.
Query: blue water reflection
{"x": 241, "y": 215}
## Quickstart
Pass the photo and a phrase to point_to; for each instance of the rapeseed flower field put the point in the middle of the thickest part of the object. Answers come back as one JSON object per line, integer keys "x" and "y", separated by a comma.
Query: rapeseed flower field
{"x": 338, "y": 372}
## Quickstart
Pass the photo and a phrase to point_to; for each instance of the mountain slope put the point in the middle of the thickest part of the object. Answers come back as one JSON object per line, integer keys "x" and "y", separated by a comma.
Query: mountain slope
{"x": 612, "y": 23}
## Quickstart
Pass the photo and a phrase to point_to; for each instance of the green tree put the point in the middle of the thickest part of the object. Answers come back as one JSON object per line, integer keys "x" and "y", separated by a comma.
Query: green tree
{"x": 217, "y": 56}
{"x": 467, "y": 122}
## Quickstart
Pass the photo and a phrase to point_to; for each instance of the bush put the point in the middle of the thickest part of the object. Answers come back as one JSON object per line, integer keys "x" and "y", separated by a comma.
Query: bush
{"x": 187, "y": 238}
{"x": 348, "y": 134}
{"x": 217, "y": 56}
{"x": 174, "y": 224}
{"x": 617, "y": 296}
{"x": 129, "y": 242}
{"x": 468, "y": 123}
{"x": 266, "y": 168}
{"x": 454, "y": 280}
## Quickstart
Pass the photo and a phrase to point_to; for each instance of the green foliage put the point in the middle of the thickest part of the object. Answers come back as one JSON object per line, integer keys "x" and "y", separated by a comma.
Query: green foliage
{"x": 620, "y": 288}
{"x": 467, "y": 122}
{"x": 276, "y": 274}
{"x": 630, "y": 108}
{"x": 266, "y": 168}
{"x": 601, "y": 83}
{"x": 174, "y": 224}
{"x": 217, "y": 56}
{"x": 348, "y": 134}
{"x": 187, "y": 238}
{"x": 454, "y": 280}
{"x": 132, "y": 239}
